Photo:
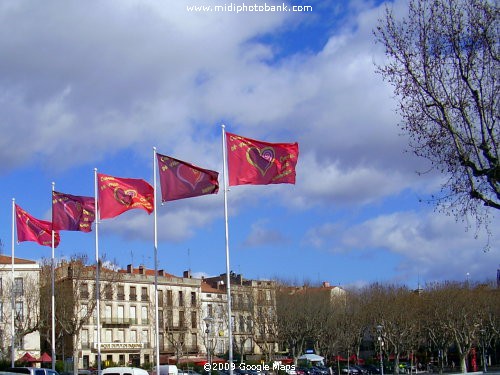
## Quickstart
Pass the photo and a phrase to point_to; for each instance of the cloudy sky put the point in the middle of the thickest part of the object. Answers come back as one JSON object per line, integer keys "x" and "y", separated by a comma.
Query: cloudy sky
{"x": 93, "y": 84}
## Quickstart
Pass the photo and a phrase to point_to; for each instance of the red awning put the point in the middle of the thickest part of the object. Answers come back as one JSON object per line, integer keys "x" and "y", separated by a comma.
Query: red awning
{"x": 339, "y": 358}
{"x": 45, "y": 358}
{"x": 27, "y": 357}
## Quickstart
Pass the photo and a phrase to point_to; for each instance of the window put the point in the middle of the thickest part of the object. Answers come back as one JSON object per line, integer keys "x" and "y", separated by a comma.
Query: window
{"x": 181, "y": 298}
{"x": 84, "y": 291}
{"x": 84, "y": 310}
{"x": 121, "y": 314}
{"x": 1, "y": 287}
{"x": 193, "y": 299}
{"x": 242, "y": 324}
{"x": 249, "y": 324}
{"x": 121, "y": 359}
{"x": 194, "y": 342}
{"x": 169, "y": 298}
{"x": 133, "y": 336}
{"x": 1, "y": 312}
{"x": 133, "y": 294}
{"x": 182, "y": 321}
{"x": 108, "y": 335}
{"x": 170, "y": 319}
{"x": 120, "y": 335}
{"x": 144, "y": 315}
{"x": 194, "y": 323}
{"x": 210, "y": 310}
{"x": 19, "y": 311}
{"x": 133, "y": 315}
{"x": 145, "y": 336}
{"x": 85, "y": 338}
{"x": 108, "y": 291}
{"x": 160, "y": 319}
{"x": 144, "y": 294}
{"x": 120, "y": 295}
{"x": 107, "y": 313}
{"x": 160, "y": 298}
{"x": 18, "y": 287}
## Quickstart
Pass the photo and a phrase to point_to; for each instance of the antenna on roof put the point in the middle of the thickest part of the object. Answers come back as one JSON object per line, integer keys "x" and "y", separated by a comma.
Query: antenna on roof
{"x": 189, "y": 260}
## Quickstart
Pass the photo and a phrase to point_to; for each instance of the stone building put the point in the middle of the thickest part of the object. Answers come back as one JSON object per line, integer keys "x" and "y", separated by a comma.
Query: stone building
{"x": 25, "y": 291}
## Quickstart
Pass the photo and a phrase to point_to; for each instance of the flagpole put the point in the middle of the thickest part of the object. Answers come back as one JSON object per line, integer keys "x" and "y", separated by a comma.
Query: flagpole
{"x": 53, "y": 343}
{"x": 157, "y": 326}
{"x": 228, "y": 278}
{"x": 12, "y": 285}
{"x": 97, "y": 288}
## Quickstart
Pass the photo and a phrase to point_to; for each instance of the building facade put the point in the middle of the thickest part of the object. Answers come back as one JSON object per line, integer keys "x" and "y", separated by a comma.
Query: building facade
{"x": 19, "y": 288}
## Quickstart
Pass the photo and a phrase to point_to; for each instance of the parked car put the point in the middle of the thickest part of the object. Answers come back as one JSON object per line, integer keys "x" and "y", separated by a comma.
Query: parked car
{"x": 371, "y": 369}
{"x": 350, "y": 370}
{"x": 32, "y": 371}
{"x": 124, "y": 371}
{"x": 320, "y": 370}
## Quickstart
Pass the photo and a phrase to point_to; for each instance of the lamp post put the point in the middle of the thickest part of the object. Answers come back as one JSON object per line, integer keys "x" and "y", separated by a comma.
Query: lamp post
{"x": 208, "y": 322}
{"x": 483, "y": 344}
{"x": 379, "y": 332}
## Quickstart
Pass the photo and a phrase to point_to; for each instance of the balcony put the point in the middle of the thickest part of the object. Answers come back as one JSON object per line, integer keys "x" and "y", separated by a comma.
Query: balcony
{"x": 112, "y": 321}
{"x": 132, "y": 297}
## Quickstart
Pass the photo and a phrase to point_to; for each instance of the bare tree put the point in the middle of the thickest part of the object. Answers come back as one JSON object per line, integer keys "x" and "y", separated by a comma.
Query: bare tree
{"x": 443, "y": 61}
{"x": 76, "y": 302}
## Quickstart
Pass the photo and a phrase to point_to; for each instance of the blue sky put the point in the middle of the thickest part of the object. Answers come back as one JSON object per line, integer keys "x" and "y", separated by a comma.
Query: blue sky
{"x": 89, "y": 84}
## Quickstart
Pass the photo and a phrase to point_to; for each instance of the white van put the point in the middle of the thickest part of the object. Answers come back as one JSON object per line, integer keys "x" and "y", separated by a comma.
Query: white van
{"x": 124, "y": 371}
{"x": 166, "y": 370}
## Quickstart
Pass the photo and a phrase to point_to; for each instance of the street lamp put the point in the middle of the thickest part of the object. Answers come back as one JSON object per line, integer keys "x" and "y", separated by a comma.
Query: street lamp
{"x": 379, "y": 332}
{"x": 208, "y": 322}
{"x": 483, "y": 344}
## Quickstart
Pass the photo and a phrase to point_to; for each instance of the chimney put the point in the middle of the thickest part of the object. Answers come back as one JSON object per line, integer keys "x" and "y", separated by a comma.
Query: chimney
{"x": 326, "y": 284}
{"x": 161, "y": 273}
{"x": 129, "y": 268}
{"x": 141, "y": 270}
{"x": 186, "y": 274}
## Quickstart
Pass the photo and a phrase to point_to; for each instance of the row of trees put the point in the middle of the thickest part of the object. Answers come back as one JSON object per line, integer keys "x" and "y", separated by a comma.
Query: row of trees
{"x": 433, "y": 320}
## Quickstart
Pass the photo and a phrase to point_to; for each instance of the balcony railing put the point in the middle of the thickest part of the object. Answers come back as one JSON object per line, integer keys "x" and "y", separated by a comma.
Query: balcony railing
{"x": 119, "y": 321}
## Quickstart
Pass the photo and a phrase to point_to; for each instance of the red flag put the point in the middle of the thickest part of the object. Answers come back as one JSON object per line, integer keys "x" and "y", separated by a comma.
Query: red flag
{"x": 117, "y": 195}
{"x": 31, "y": 229}
{"x": 179, "y": 179}
{"x": 260, "y": 163}
{"x": 70, "y": 212}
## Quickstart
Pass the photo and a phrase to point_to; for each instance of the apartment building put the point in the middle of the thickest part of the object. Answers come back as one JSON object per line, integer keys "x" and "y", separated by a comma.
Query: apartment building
{"x": 253, "y": 310}
{"x": 19, "y": 287}
{"x": 127, "y": 315}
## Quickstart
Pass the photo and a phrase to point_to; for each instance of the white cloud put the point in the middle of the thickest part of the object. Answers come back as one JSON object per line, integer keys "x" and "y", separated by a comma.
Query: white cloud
{"x": 431, "y": 245}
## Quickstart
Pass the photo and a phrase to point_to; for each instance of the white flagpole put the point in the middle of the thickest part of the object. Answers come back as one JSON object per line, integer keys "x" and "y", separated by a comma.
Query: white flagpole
{"x": 157, "y": 326}
{"x": 228, "y": 277}
{"x": 13, "y": 331}
{"x": 53, "y": 343}
{"x": 97, "y": 287}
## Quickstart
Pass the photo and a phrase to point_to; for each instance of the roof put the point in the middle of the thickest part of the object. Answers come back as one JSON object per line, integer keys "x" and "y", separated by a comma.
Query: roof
{"x": 207, "y": 288}
{"x": 4, "y": 259}
{"x": 144, "y": 271}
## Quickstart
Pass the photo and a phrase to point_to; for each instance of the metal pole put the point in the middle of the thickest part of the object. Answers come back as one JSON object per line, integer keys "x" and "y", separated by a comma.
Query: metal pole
{"x": 379, "y": 331}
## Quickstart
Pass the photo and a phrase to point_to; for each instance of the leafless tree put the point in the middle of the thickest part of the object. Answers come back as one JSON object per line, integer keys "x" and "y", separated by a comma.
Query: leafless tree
{"x": 443, "y": 62}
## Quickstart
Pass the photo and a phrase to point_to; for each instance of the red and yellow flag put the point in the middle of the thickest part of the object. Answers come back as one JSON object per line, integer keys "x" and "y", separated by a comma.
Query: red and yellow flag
{"x": 179, "y": 179}
{"x": 70, "y": 212}
{"x": 260, "y": 163}
{"x": 117, "y": 195}
{"x": 32, "y": 229}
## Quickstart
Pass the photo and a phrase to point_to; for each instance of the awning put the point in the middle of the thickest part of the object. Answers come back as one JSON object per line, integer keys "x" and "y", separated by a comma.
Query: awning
{"x": 27, "y": 357}
{"x": 45, "y": 358}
